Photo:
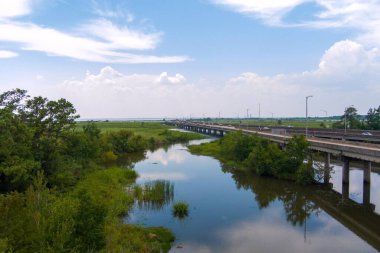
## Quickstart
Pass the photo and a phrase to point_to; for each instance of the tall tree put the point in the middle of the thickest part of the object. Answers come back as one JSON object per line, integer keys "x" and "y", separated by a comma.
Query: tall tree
{"x": 373, "y": 118}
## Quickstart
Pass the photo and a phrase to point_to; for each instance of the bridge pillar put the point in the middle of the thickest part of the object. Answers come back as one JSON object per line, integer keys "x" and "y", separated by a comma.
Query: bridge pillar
{"x": 346, "y": 170}
{"x": 345, "y": 191}
{"x": 367, "y": 172}
{"x": 326, "y": 175}
{"x": 366, "y": 194}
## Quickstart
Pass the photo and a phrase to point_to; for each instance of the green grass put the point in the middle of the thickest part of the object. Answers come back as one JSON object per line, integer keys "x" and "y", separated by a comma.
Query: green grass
{"x": 154, "y": 195}
{"x": 180, "y": 209}
{"x": 145, "y": 129}
{"x": 148, "y": 130}
{"x": 206, "y": 149}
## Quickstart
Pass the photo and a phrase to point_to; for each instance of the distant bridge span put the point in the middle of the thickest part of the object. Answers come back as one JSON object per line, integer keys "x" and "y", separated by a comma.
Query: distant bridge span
{"x": 347, "y": 151}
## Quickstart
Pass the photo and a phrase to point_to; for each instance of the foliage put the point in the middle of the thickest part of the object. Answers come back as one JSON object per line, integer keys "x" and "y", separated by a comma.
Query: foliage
{"x": 237, "y": 146}
{"x": 171, "y": 136}
{"x": 84, "y": 220}
{"x": 180, "y": 209}
{"x": 125, "y": 141}
{"x": 262, "y": 156}
{"x": 350, "y": 119}
{"x": 373, "y": 119}
{"x": 57, "y": 196}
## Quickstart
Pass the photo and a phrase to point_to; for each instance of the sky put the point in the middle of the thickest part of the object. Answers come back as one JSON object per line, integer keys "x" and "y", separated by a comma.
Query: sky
{"x": 194, "y": 58}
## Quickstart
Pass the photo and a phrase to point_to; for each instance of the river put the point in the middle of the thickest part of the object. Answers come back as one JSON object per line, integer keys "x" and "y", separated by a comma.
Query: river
{"x": 240, "y": 212}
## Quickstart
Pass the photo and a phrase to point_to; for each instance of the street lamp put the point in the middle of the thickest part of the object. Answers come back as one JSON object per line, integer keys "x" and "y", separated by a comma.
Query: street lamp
{"x": 324, "y": 112}
{"x": 272, "y": 118}
{"x": 307, "y": 97}
{"x": 325, "y": 120}
{"x": 247, "y": 117}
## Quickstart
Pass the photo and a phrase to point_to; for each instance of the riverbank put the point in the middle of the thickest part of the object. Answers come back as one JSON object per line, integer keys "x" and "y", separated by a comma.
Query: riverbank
{"x": 79, "y": 206}
{"x": 258, "y": 155}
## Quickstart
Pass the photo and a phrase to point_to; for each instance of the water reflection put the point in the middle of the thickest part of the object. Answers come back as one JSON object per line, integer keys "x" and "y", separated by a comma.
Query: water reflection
{"x": 154, "y": 195}
{"x": 240, "y": 212}
{"x": 295, "y": 199}
{"x": 367, "y": 194}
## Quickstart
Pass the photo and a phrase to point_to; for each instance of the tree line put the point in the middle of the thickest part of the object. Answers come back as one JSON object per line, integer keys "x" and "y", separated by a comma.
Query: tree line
{"x": 351, "y": 120}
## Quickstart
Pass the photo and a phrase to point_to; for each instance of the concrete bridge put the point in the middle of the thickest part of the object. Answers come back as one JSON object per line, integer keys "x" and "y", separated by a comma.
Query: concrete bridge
{"x": 346, "y": 151}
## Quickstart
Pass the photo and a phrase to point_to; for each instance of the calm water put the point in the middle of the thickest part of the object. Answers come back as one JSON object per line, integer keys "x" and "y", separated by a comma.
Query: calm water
{"x": 237, "y": 212}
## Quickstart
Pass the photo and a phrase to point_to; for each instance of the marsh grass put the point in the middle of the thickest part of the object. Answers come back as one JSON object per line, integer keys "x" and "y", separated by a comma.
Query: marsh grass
{"x": 154, "y": 195}
{"x": 180, "y": 210}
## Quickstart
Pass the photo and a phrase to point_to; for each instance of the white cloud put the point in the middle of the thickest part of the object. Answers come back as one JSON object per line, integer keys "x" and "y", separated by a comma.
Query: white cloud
{"x": 7, "y": 54}
{"x": 14, "y": 8}
{"x": 53, "y": 42}
{"x": 165, "y": 78}
{"x": 347, "y": 74}
{"x": 362, "y": 15}
{"x": 121, "y": 38}
{"x": 270, "y": 11}
{"x": 98, "y": 40}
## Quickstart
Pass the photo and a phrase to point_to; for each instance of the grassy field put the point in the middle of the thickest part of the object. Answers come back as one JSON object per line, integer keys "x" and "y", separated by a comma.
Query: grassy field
{"x": 148, "y": 130}
{"x": 145, "y": 129}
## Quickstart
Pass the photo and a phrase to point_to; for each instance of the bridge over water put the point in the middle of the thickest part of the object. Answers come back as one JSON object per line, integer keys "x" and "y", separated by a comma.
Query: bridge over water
{"x": 345, "y": 150}
{"x": 359, "y": 218}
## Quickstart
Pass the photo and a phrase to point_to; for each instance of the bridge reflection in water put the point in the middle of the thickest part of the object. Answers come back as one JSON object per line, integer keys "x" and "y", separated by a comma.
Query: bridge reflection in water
{"x": 301, "y": 202}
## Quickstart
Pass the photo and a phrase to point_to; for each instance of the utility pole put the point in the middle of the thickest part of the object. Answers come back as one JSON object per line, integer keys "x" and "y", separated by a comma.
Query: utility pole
{"x": 272, "y": 118}
{"x": 259, "y": 117}
{"x": 247, "y": 117}
{"x": 307, "y": 97}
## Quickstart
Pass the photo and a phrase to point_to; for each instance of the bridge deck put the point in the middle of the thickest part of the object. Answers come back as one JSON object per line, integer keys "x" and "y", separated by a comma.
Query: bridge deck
{"x": 356, "y": 150}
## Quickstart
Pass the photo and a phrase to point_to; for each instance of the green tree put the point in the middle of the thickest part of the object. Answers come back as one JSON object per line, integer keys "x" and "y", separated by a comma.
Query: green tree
{"x": 17, "y": 165}
{"x": 373, "y": 119}
{"x": 349, "y": 119}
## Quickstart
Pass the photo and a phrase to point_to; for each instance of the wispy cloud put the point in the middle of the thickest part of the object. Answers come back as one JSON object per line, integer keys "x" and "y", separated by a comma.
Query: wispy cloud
{"x": 269, "y": 11}
{"x": 7, "y": 54}
{"x": 121, "y": 37}
{"x": 363, "y": 15}
{"x": 98, "y": 40}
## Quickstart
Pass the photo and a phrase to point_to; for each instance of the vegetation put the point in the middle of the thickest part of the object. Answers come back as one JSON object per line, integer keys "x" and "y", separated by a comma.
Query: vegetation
{"x": 262, "y": 156}
{"x": 154, "y": 195}
{"x": 58, "y": 195}
{"x": 180, "y": 209}
{"x": 156, "y": 133}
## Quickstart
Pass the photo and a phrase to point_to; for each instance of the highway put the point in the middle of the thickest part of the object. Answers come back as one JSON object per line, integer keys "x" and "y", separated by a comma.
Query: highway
{"x": 351, "y": 149}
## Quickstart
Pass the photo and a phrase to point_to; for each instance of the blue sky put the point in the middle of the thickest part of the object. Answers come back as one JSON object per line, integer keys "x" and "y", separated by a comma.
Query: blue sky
{"x": 179, "y": 58}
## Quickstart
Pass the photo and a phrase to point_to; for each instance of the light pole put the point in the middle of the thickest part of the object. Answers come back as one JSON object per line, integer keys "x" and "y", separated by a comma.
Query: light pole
{"x": 325, "y": 124}
{"x": 272, "y": 118}
{"x": 259, "y": 116}
{"x": 307, "y": 97}
{"x": 247, "y": 117}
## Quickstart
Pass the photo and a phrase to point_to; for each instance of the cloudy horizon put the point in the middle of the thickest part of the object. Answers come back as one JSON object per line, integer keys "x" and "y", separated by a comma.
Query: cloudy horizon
{"x": 119, "y": 59}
